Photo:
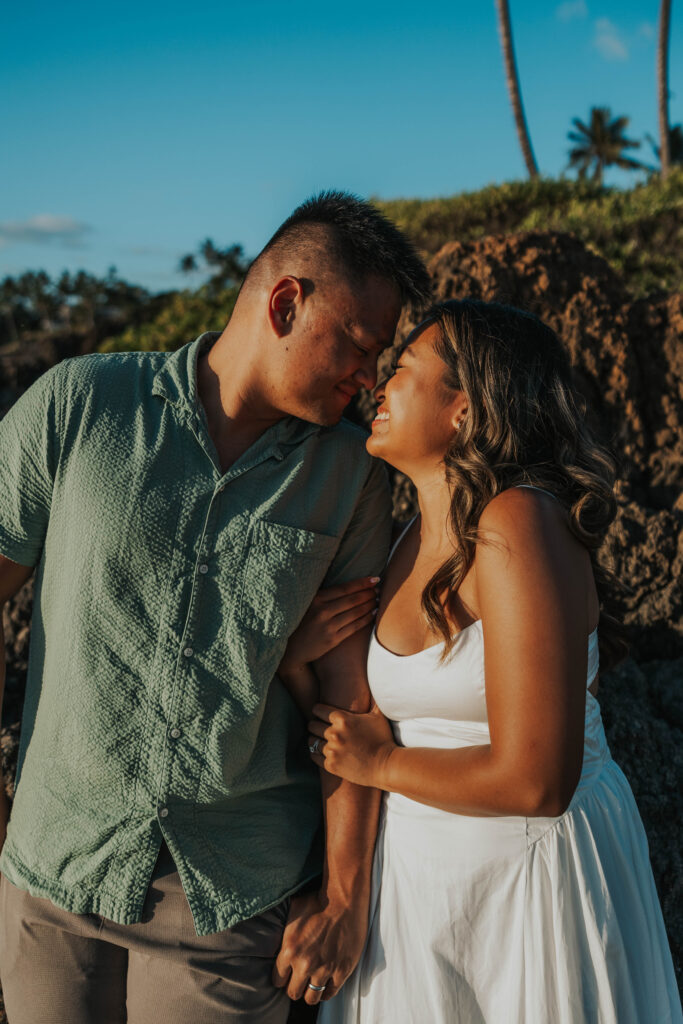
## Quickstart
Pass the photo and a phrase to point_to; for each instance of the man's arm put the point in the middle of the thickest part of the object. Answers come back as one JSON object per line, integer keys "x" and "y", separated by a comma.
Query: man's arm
{"x": 351, "y": 811}
{"x": 12, "y": 579}
{"x": 326, "y": 930}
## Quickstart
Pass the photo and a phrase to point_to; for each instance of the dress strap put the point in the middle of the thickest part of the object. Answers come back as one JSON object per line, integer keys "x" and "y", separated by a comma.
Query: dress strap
{"x": 533, "y": 487}
{"x": 400, "y": 538}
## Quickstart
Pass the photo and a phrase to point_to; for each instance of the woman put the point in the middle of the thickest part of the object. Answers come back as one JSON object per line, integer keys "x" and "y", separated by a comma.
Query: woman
{"x": 512, "y": 880}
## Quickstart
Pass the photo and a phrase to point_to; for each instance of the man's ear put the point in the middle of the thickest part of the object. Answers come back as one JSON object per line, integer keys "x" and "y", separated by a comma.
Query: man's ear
{"x": 284, "y": 298}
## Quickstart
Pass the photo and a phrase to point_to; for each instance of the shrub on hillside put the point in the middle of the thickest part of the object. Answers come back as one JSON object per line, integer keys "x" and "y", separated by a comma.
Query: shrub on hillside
{"x": 638, "y": 231}
{"x": 186, "y": 315}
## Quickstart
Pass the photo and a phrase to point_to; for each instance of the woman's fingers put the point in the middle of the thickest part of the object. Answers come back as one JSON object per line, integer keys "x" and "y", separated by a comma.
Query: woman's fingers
{"x": 353, "y": 627}
{"x": 348, "y": 595}
{"x": 346, "y": 616}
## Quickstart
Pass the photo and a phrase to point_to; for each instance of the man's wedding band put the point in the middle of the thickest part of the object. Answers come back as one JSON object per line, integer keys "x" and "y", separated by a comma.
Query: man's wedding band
{"x": 314, "y": 748}
{"x": 317, "y": 988}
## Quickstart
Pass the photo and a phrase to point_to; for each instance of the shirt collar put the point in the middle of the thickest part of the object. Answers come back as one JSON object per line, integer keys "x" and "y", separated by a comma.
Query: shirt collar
{"x": 176, "y": 381}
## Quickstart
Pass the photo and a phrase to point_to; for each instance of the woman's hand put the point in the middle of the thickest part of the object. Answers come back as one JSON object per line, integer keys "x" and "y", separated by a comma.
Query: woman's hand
{"x": 333, "y": 615}
{"x": 353, "y": 746}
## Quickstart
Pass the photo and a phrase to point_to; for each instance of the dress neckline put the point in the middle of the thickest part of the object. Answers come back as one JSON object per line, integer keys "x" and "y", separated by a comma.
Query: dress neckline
{"x": 432, "y": 647}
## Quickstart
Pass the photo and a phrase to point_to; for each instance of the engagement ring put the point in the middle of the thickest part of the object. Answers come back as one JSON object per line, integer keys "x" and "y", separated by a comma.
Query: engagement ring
{"x": 314, "y": 748}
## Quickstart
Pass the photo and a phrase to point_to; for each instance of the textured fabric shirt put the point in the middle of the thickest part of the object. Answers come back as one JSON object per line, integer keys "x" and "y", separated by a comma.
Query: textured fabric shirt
{"x": 165, "y": 591}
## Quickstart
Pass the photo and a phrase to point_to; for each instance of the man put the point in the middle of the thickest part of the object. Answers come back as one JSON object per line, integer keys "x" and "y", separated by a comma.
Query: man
{"x": 181, "y": 511}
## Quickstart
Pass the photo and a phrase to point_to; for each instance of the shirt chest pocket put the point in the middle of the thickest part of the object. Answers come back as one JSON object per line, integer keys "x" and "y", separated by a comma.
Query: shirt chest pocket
{"x": 284, "y": 568}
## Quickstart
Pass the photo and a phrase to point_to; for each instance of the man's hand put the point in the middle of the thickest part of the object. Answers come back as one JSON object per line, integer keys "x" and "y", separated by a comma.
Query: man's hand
{"x": 321, "y": 944}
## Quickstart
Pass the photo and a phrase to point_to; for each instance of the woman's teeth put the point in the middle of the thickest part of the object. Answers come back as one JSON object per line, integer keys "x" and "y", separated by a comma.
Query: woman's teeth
{"x": 381, "y": 416}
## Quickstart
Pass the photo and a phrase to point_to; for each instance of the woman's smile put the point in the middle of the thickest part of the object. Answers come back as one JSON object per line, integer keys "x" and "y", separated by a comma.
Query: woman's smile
{"x": 381, "y": 417}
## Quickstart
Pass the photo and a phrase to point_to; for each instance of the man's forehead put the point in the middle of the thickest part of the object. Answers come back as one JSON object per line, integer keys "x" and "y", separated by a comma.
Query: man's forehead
{"x": 377, "y": 331}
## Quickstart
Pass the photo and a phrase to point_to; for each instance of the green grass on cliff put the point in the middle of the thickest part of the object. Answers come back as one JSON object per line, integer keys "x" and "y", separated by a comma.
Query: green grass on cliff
{"x": 638, "y": 231}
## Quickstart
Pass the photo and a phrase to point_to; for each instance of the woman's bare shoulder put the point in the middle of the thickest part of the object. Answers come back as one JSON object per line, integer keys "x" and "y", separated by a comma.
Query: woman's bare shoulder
{"x": 522, "y": 518}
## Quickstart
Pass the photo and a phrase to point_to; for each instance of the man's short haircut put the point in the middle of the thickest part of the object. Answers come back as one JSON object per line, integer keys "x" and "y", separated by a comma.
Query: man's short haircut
{"x": 359, "y": 239}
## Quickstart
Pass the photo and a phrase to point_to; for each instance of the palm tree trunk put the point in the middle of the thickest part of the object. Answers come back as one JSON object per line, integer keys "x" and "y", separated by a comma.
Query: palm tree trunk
{"x": 512, "y": 79}
{"x": 663, "y": 87}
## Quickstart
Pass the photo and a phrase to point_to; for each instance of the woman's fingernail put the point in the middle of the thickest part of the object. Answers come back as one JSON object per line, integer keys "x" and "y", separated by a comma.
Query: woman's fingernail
{"x": 374, "y": 579}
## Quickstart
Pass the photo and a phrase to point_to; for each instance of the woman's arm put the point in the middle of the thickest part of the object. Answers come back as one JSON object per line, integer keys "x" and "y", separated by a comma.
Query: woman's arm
{"x": 532, "y": 583}
{"x": 334, "y": 614}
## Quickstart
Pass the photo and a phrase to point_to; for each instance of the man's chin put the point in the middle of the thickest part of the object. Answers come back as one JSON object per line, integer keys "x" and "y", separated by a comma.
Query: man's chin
{"x": 319, "y": 415}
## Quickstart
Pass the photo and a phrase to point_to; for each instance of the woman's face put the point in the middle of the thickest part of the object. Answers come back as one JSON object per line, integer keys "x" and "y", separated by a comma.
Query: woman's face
{"x": 418, "y": 413}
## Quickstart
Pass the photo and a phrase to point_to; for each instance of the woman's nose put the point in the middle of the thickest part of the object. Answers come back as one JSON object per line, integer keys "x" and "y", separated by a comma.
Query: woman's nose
{"x": 378, "y": 393}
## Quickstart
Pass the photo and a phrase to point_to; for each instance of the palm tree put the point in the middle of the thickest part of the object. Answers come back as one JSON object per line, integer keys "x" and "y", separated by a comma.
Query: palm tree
{"x": 601, "y": 144}
{"x": 663, "y": 86}
{"x": 512, "y": 79}
{"x": 675, "y": 146}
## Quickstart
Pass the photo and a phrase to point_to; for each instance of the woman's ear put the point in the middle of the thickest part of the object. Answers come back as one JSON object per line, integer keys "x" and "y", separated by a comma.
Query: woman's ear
{"x": 459, "y": 411}
{"x": 284, "y": 298}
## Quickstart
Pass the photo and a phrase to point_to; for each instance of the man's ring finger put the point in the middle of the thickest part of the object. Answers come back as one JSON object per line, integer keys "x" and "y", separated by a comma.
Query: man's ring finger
{"x": 315, "y": 749}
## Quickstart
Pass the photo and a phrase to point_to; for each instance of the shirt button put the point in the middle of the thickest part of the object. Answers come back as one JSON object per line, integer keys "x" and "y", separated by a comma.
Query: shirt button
{"x": 175, "y": 733}
{"x": 188, "y": 652}
{"x": 203, "y": 568}
{"x": 163, "y": 812}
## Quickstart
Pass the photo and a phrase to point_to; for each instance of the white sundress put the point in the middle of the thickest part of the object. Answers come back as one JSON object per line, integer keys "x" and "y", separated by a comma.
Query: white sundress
{"x": 504, "y": 920}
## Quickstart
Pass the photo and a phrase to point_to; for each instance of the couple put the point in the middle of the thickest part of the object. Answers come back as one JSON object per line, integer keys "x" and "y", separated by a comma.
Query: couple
{"x": 163, "y": 859}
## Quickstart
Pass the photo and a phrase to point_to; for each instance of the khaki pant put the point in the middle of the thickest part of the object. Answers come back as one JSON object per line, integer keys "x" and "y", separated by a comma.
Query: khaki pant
{"x": 62, "y": 968}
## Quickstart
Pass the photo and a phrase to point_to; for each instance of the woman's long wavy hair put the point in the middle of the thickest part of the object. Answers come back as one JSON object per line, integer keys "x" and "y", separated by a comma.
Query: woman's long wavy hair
{"x": 525, "y": 424}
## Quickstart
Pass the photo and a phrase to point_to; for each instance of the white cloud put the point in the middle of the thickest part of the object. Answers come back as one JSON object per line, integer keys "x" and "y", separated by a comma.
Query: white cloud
{"x": 44, "y": 228}
{"x": 608, "y": 40}
{"x": 647, "y": 29}
{"x": 572, "y": 9}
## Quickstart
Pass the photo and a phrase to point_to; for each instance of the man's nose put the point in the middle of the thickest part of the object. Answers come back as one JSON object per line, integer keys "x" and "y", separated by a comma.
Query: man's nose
{"x": 366, "y": 375}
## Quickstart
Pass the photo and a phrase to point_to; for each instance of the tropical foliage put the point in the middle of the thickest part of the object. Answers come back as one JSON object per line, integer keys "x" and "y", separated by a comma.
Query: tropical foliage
{"x": 226, "y": 267}
{"x": 185, "y": 316}
{"x": 601, "y": 143}
{"x": 93, "y": 307}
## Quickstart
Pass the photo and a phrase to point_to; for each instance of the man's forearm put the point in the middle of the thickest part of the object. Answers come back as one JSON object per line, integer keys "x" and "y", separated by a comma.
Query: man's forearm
{"x": 351, "y": 812}
{"x": 351, "y": 816}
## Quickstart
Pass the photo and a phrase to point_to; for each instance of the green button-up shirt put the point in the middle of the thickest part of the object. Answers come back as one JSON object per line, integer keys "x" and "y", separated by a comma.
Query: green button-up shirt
{"x": 165, "y": 591}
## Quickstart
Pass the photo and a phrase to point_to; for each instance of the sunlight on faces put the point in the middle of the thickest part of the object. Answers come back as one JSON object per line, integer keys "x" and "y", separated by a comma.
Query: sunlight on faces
{"x": 328, "y": 340}
{"x": 417, "y": 412}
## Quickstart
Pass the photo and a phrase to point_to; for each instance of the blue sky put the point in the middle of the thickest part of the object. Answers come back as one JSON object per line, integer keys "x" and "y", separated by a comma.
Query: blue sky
{"x": 133, "y": 131}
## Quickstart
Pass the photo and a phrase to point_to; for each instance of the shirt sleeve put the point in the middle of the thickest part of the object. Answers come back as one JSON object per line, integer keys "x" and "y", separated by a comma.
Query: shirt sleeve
{"x": 28, "y": 447}
{"x": 365, "y": 545}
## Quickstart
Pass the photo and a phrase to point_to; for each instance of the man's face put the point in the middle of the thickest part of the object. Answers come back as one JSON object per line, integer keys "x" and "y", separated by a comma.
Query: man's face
{"x": 332, "y": 350}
